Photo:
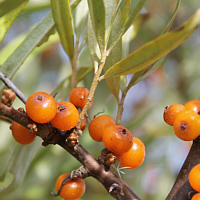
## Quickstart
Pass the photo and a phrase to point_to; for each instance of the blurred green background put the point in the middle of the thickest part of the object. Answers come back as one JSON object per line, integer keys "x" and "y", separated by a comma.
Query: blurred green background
{"x": 176, "y": 81}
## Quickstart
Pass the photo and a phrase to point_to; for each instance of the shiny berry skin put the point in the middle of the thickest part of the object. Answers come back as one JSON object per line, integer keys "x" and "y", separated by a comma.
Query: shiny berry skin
{"x": 117, "y": 139}
{"x": 41, "y": 107}
{"x": 78, "y": 96}
{"x": 193, "y": 105}
{"x": 22, "y": 134}
{"x": 194, "y": 178}
{"x": 134, "y": 157}
{"x": 187, "y": 125}
{"x": 98, "y": 125}
{"x": 171, "y": 113}
{"x": 73, "y": 189}
{"x": 66, "y": 117}
{"x": 196, "y": 197}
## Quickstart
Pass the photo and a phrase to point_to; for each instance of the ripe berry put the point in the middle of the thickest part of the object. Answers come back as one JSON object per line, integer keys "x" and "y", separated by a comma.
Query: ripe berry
{"x": 78, "y": 96}
{"x": 41, "y": 107}
{"x": 66, "y": 117}
{"x": 134, "y": 157}
{"x": 98, "y": 125}
{"x": 194, "y": 178}
{"x": 187, "y": 125}
{"x": 22, "y": 134}
{"x": 196, "y": 197}
{"x": 193, "y": 105}
{"x": 171, "y": 113}
{"x": 73, "y": 189}
{"x": 117, "y": 139}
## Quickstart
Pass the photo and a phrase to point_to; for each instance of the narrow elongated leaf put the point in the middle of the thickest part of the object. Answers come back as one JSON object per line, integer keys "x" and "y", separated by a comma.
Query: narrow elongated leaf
{"x": 115, "y": 55}
{"x": 128, "y": 23}
{"x": 125, "y": 11}
{"x": 97, "y": 14}
{"x": 42, "y": 31}
{"x": 63, "y": 20}
{"x": 167, "y": 27}
{"x": 155, "y": 49}
{"x": 74, "y": 4}
{"x": 93, "y": 46}
{"x": 8, "y": 5}
{"x": 7, "y": 181}
{"x": 7, "y": 20}
{"x": 19, "y": 164}
{"x": 140, "y": 75}
{"x": 80, "y": 22}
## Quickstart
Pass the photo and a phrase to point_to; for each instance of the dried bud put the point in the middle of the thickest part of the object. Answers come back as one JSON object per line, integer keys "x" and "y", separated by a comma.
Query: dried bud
{"x": 8, "y": 97}
{"x": 72, "y": 140}
{"x": 32, "y": 127}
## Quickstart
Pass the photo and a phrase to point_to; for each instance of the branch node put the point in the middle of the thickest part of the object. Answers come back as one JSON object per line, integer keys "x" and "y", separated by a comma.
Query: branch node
{"x": 72, "y": 140}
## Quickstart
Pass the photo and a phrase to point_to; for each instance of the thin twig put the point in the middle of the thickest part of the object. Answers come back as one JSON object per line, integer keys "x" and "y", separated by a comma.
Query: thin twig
{"x": 10, "y": 85}
{"x": 92, "y": 88}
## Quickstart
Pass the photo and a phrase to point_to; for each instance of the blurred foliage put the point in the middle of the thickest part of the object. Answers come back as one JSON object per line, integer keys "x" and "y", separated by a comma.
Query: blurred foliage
{"x": 176, "y": 81}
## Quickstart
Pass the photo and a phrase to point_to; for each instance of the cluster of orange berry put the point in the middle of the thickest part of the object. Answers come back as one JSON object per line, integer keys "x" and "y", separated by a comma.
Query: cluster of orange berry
{"x": 117, "y": 139}
{"x": 41, "y": 107}
{"x": 185, "y": 119}
{"x": 194, "y": 180}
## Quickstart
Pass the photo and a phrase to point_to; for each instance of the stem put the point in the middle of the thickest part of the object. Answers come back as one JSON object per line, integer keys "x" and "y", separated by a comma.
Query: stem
{"x": 181, "y": 187}
{"x": 114, "y": 185}
{"x": 121, "y": 107}
{"x": 74, "y": 66}
{"x": 10, "y": 85}
{"x": 92, "y": 89}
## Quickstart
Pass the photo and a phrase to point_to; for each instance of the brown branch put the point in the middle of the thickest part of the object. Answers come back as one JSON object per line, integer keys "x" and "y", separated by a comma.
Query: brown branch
{"x": 114, "y": 185}
{"x": 181, "y": 188}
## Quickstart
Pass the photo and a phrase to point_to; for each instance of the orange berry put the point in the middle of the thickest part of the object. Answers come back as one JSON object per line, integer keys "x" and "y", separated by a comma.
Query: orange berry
{"x": 78, "y": 96}
{"x": 22, "y": 134}
{"x": 187, "y": 125}
{"x": 117, "y": 139}
{"x": 196, "y": 197}
{"x": 193, "y": 105}
{"x": 98, "y": 125}
{"x": 171, "y": 113}
{"x": 134, "y": 157}
{"x": 66, "y": 117}
{"x": 41, "y": 107}
{"x": 194, "y": 178}
{"x": 73, "y": 189}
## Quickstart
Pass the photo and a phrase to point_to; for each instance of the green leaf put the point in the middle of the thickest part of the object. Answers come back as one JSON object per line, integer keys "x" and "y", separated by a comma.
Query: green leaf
{"x": 7, "y": 20}
{"x": 125, "y": 11}
{"x": 7, "y": 181}
{"x": 83, "y": 72}
{"x": 80, "y": 21}
{"x": 140, "y": 75}
{"x": 155, "y": 49}
{"x": 167, "y": 27}
{"x": 97, "y": 14}
{"x": 93, "y": 46}
{"x": 128, "y": 23}
{"x": 40, "y": 33}
{"x": 115, "y": 55}
{"x": 8, "y": 5}
{"x": 63, "y": 20}
{"x": 74, "y": 4}
{"x": 19, "y": 164}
